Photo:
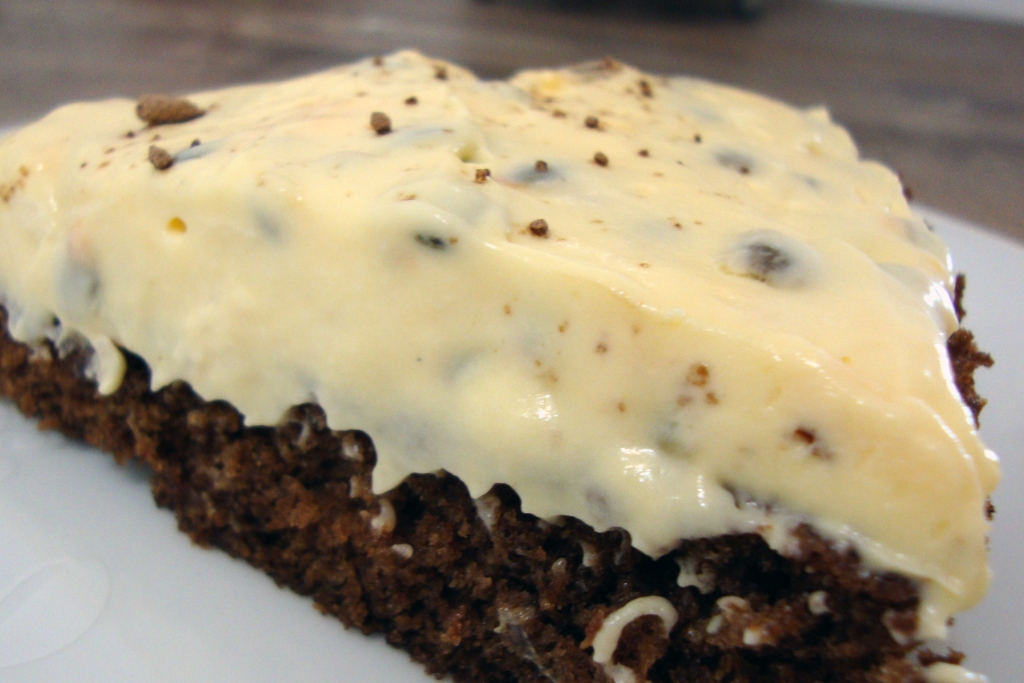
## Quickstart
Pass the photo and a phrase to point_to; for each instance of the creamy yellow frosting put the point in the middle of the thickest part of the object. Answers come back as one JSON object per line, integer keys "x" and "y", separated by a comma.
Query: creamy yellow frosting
{"x": 652, "y": 303}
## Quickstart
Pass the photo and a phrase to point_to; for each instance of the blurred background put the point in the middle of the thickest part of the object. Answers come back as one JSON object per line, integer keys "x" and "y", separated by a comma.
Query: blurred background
{"x": 933, "y": 88}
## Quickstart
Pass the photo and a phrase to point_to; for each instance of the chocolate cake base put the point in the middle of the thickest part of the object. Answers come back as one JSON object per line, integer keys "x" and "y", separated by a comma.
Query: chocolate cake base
{"x": 477, "y": 588}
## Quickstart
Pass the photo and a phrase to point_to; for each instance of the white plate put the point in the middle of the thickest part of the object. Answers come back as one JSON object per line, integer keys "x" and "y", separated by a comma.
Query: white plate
{"x": 96, "y": 583}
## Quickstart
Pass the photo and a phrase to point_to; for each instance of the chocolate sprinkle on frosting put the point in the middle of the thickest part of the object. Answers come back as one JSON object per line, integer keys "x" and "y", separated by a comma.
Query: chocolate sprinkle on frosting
{"x": 157, "y": 110}
{"x": 160, "y": 158}
{"x": 380, "y": 122}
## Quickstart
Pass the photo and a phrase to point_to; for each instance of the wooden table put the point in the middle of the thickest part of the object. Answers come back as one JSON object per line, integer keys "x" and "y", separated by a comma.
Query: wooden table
{"x": 938, "y": 98}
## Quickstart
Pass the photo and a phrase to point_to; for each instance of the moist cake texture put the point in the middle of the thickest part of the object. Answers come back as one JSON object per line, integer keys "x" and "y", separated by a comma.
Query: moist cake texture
{"x": 609, "y": 309}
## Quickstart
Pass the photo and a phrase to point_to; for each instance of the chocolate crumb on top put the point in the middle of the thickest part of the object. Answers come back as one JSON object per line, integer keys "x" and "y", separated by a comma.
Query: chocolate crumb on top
{"x": 803, "y": 435}
{"x": 539, "y": 228}
{"x": 380, "y": 123}
{"x": 440, "y": 72}
{"x": 600, "y": 159}
{"x": 645, "y": 89}
{"x": 908, "y": 194}
{"x": 160, "y": 158}
{"x": 698, "y": 375}
{"x": 7, "y": 190}
{"x": 378, "y": 61}
{"x": 591, "y": 122}
{"x": 558, "y": 114}
{"x": 157, "y": 110}
{"x": 411, "y": 100}
{"x": 807, "y": 437}
{"x": 541, "y": 166}
{"x": 697, "y": 137}
{"x": 644, "y": 153}
{"x": 196, "y": 143}
{"x": 481, "y": 175}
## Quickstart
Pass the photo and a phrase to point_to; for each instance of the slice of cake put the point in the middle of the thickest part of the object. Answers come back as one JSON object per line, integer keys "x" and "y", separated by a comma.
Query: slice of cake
{"x": 591, "y": 374}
